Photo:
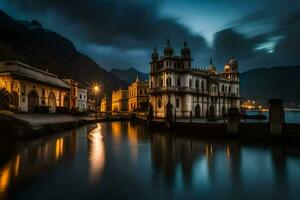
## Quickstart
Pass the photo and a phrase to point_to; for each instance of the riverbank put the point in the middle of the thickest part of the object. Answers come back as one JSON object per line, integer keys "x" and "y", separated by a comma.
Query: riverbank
{"x": 21, "y": 127}
{"x": 29, "y": 126}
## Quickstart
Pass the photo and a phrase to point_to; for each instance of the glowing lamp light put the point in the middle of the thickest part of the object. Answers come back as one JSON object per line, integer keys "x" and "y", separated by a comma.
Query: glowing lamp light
{"x": 96, "y": 88}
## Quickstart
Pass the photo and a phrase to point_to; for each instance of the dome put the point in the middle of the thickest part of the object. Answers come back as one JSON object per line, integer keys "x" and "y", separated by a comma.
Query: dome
{"x": 227, "y": 68}
{"x": 211, "y": 68}
{"x": 233, "y": 62}
{"x": 185, "y": 51}
{"x": 168, "y": 51}
{"x": 154, "y": 55}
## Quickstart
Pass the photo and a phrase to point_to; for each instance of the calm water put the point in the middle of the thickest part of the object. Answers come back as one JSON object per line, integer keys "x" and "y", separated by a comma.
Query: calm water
{"x": 290, "y": 116}
{"x": 124, "y": 161}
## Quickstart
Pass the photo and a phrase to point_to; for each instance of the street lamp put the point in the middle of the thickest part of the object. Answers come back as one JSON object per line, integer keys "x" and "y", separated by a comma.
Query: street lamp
{"x": 96, "y": 90}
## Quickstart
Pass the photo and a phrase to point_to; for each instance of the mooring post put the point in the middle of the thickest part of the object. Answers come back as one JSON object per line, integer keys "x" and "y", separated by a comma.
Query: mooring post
{"x": 276, "y": 116}
{"x": 233, "y": 124}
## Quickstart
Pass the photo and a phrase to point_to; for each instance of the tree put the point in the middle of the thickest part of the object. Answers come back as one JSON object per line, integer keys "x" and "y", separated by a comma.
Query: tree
{"x": 4, "y": 98}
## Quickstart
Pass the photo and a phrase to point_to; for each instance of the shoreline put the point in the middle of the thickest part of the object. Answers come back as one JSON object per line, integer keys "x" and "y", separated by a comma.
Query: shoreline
{"x": 15, "y": 129}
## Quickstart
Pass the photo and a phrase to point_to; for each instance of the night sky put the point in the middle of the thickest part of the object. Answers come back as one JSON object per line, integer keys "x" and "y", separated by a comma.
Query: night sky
{"x": 122, "y": 33}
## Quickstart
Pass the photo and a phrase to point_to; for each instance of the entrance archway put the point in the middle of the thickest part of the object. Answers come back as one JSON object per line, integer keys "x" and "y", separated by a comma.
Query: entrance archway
{"x": 52, "y": 102}
{"x": 66, "y": 101}
{"x": 197, "y": 111}
{"x": 212, "y": 111}
{"x": 33, "y": 101}
{"x": 223, "y": 111}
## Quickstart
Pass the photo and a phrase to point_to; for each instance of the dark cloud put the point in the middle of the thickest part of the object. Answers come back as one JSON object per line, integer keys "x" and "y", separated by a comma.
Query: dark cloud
{"x": 268, "y": 37}
{"x": 122, "y": 33}
{"x": 228, "y": 43}
{"x": 125, "y": 24}
{"x": 120, "y": 25}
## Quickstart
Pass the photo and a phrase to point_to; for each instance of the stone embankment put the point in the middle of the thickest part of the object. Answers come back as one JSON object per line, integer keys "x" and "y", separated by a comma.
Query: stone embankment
{"x": 27, "y": 126}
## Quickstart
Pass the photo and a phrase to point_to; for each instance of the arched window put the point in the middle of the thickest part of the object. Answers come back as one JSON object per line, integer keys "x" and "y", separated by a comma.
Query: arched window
{"x": 177, "y": 103}
{"x": 229, "y": 89}
{"x": 190, "y": 83}
{"x": 178, "y": 82}
{"x": 197, "y": 84}
{"x": 202, "y": 85}
{"x": 151, "y": 84}
{"x": 161, "y": 82}
{"x": 237, "y": 90}
{"x": 169, "y": 82}
{"x": 222, "y": 88}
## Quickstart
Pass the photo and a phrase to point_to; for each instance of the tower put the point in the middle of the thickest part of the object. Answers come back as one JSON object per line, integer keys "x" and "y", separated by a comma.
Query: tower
{"x": 186, "y": 55}
{"x": 168, "y": 51}
{"x": 231, "y": 69}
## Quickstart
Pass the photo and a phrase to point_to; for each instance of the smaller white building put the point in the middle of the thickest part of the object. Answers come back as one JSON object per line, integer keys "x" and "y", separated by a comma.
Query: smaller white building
{"x": 82, "y": 99}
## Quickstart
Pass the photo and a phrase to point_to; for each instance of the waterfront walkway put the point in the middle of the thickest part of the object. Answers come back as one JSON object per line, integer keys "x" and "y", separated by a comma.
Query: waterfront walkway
{"x": 35, "y": 119}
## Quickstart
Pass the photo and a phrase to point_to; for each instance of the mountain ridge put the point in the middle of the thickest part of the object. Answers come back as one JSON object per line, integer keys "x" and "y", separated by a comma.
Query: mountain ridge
{"x": 130, "y": 75}
{"x": 30, "y": 43}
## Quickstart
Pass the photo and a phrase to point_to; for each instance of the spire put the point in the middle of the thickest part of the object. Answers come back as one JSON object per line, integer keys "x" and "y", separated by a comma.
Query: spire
{"x": 184, "y": 43}
{"x": 154, "y": 54}
{"x": 168, "y": 51}
{"x": 168, "y": 41}
{"x": 137, "y": 78}
{"x": 210, "y": 61}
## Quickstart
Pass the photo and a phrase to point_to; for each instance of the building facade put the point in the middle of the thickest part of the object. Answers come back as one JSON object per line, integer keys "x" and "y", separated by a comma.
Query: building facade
{"x": 73, "y": 92}
{"x": 91, "y": 105}
{"x": 119, "y": 100}
{"x": 31, "y": 88}
{"x": 202, "y": 93}
{"x": 82, "y": 99}
{"x": 138, "y": 96}
{"x": 105, "y": 104}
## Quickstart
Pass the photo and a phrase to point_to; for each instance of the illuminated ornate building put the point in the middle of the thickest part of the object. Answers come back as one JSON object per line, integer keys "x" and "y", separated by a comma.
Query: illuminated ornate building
{"x": 119, "y": 100}
{"x": 82, "y": 99}
{"x": 105, "y": 104}
{"x": 30, "y": 87}
{"x": 204, "y": 93}
{"x": 138, "y": 97}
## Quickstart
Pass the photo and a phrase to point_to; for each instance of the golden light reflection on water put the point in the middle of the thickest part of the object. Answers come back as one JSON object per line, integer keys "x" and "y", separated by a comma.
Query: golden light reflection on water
{"x": 116, "y": 130}
{"x": 96, "y": 153}
{"x": 8, "y": 172}
{"x": 59, "y": 150}
{"x": 227, "y": 151}
{"x": 33, "y": 159}
{"x": 133, "y": 139}
{"x": 4, "y": 179}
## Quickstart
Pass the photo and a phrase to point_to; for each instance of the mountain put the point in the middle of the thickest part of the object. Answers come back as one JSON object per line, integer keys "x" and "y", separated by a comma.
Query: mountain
{"x": 30, "y": 43}
{"x": 277, "y": 82}
{"x": 130, "y": 75}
